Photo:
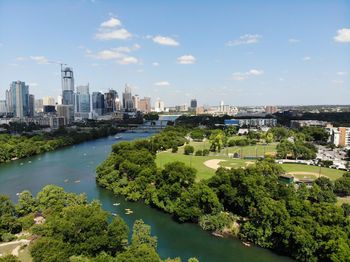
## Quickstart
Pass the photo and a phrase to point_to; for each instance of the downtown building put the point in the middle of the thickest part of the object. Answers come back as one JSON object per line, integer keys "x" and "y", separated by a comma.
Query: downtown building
{"x": 67, "y": 78}
{"x": 82, "y": 102}
{"x": 18, "y": 101}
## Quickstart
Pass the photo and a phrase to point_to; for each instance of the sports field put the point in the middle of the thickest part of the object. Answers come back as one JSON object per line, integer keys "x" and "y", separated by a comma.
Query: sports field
{"x": 207, "y": 165}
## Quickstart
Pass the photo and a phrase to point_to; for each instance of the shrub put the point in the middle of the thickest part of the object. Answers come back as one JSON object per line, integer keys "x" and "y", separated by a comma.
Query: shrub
{"x": 6, "y": 237}
{"x": 174, "y": 149}
{"x": 188, "y": 150}
{"x": 199, "y": 153}
{"x": 205, "y": 152}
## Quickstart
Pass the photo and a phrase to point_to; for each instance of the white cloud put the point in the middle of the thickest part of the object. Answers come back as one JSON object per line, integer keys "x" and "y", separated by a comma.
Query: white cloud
{"x": 306, "y": 58}
{"x": 338, "y": 82}
{"x": 128, "y": 60}
{"x": 120, "y": 54}
{"x": 245, "y": 40}
{"x": 293, "y": 40}
{"x": 39, "y": 59}
{"x": 343, "y": 35}
{"x": 239, "y": 76}
{"x": 112, "y": 30}
{"x": 162, "y": 83}
{"x": 186, "y": 59}
{"x": 155, "y": 64}
{"x": 119, "y": 34}
{"x": 342, "y": 73}
{"x": 112, "y": 22}
{"x": 164, "y": 40}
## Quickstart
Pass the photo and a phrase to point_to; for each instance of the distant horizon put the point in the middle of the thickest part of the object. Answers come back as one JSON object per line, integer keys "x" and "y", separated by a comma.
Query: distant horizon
{"x": 246, "y": 53}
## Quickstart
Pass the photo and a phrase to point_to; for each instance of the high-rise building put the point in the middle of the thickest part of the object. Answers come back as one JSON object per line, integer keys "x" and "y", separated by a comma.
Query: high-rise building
{"x": 128, "y": 104}
{"x": 17, "y": 99}
{"x": 145, "y": 104}
{"x": 67, "y": 112}
{"x": 159, "y": 105}
{"x": 270, "y": 109}
{"x": 110, "y": 97}
{"x": 3, "y": 107}
{"x": 340, "y": 136}
{"x": 136, "y": 101}
{"x": 48, "y": 101}
{"x": 82, "y": 99}
{"x": 67, "y": 86}
{"x": 31, "y": 104}
{"x": 39, "y": 105}
{"x": 193, "y": 103}
{"x": 98, "y": 103}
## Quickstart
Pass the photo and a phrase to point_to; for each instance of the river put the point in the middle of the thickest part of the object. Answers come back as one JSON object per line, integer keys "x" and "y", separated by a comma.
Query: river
{"x": 73, "y": 168}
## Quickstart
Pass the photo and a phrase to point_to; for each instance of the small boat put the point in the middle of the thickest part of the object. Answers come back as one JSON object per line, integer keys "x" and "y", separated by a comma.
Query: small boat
{"x": 247, "y": 244}
{"x": 77, "y": 181}
{"x": 66, "y": 180}
{"x": 114, "y": 214}
{"x": 217, "y": 234}
{"x": 127, "y": 209}
{"x": 117, "y": 137}
{"x": 21, "y": 164}
{"x": 129, "y": 212}
{"x": 17, "y": 194}
{"x": 116, "y": 204}
{"x": 29, "y": 162}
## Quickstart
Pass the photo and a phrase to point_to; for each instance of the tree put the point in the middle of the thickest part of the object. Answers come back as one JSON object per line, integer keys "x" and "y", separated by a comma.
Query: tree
{"x": 26, "y": 203}
{"x": 342, "y": 185}
{"x": 217, "y": 140}
{"x": 142, "y": 235}
{"x": 188, "y": 150}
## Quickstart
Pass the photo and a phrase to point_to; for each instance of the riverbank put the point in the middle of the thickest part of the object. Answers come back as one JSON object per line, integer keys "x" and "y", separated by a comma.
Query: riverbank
{"x": 14, "y": 147}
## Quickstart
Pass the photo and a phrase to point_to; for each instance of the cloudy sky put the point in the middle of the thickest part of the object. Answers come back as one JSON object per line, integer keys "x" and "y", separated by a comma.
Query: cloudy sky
{"x": 241, "y": 52}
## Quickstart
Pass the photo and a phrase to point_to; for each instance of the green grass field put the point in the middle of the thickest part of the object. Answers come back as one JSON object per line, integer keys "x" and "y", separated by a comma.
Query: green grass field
{"x": 312, "y": 171}
{"x": 245, "y": 151}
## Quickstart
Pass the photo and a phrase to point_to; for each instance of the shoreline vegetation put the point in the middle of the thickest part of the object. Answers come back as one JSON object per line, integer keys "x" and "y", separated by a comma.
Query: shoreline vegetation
{"x": 249, "y": 203}
{"x": 14, "y": 147}
{"x": 57, "y": 226}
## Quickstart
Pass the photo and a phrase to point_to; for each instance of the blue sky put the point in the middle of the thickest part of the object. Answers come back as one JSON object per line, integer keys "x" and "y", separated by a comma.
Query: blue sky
{"x": 242, "y": 52}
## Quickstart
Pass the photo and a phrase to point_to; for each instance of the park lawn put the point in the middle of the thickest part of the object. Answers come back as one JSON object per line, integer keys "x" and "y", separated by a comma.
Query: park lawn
{"x": 258, "y": 150}
{"x": 331, "y": 173}
{"x": 24, "y": 255}
{"x": 197, "y": 162}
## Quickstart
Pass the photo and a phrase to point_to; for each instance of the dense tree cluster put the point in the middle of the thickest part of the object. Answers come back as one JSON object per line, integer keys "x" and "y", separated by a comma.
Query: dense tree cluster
{"x": 293, "y": 221}
{"x": 20, "y": 146}
{"x": 75, "y": 230}
{"x": 301, "y": 222}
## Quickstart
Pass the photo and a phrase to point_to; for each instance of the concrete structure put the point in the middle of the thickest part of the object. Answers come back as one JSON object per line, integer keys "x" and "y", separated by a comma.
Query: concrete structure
{"x": 270, "y": 109}
{"x": 67, "y": 112}
{"x": 109, "y": 99}
{"x": 38, "y": 105}
{"x": 67, "y": 78}
{"x": 136, "y": 101}
{"x": 82, "y": 101}
{"x": 31, "y": 106}
{"x": 98, "y": 103}
{"x": 341, "y": 136}
{"x": 302, "y": 123}
{"x": 159, "y": 106}
{"x": 128, "y": 104}
{"x": 145, "y": 104}
{"x": 252, "y": 122}
{"x": 3, "y": 107}
{"x": 48, "y": 101}
{"x": 17, "y": 99}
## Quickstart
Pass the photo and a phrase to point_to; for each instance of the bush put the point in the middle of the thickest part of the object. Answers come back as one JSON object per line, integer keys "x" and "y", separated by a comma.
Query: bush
{"x": 205, "y": 152}
{"x": 6, "y": 237}
{"x": 188, "y": 150}
{"x": 174, "y": 149}
{"x": 27, "y": 221}
{"x": 199, "y": 153}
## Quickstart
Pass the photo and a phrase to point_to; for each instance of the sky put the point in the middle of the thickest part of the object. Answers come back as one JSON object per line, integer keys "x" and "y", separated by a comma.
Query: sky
{"x": 248, "y": 52}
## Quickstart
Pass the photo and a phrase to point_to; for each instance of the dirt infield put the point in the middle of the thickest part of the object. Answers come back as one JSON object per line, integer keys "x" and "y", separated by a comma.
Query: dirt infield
{"x": 213, "y": 163}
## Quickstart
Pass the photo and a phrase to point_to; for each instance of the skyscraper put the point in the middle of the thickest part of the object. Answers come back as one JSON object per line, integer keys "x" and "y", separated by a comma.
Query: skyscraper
{"x": 159, "y": 105}
{"x": 3, "y": 107}
{"x": 98, "y": 103}
{"x": 82, "y": 102}
{"x": 145, "y": 104}
{"x": 128, "y": 104}
{"x": 193, "y": 103}
{"x": 17, "y": 99}
{"x": 110, "y": 97}
{"x": 48, "y": 101}
{"x": 67, "y": 86}
{"x": 31, "y": 106}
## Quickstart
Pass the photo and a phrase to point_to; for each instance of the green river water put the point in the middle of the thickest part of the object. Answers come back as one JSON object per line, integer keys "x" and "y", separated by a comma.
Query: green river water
{"x": 78, "y": 163}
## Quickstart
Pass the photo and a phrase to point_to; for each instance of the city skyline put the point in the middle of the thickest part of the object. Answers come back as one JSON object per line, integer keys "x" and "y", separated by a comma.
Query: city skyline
{"x": 291, "y": 54}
